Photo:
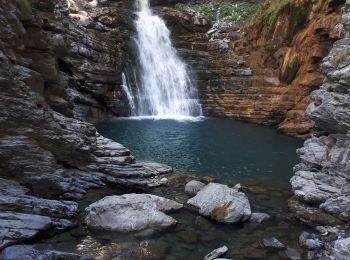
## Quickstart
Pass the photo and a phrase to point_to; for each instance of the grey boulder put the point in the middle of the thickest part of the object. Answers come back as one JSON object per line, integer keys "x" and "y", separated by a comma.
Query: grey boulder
{"x": 221, "y": 203}
{"x": 131, "y": 212}
{"x": 273, "y": 243}
{"x": 259, "y": 217}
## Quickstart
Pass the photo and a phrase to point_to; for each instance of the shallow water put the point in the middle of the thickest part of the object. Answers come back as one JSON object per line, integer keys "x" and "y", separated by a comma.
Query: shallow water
{"x": 229, "y": 151}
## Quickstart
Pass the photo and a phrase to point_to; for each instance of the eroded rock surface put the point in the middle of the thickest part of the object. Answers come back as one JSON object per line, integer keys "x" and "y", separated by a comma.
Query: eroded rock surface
{"x": 61, "y": 63}
{"x": 221, "y": 203}
{"x": 30, "y": 253}
{"x": 131, "y": 212}
{"x": 321, "y": 181}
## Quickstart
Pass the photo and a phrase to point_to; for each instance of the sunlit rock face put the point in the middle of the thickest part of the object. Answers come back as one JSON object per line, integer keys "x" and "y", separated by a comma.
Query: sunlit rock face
{"x": 259, "y": 73}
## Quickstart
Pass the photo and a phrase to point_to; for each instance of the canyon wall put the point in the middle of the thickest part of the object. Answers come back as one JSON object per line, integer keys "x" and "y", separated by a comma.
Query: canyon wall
{"x": 77, "y": 51}
{"x": 263, "y": 71}
{"x": 60, "y": 62}
{"x": 321, "y": 182}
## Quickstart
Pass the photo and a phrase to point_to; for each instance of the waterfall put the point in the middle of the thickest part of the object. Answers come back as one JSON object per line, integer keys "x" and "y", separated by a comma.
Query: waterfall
{"x": 128, "y": 93}
{"x": 165, "y": 88}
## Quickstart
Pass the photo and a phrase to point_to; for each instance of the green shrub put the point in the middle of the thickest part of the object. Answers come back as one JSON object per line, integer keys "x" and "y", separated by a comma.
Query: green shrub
{"x": 218, "y": 10}
{"x": 298, "y": 13}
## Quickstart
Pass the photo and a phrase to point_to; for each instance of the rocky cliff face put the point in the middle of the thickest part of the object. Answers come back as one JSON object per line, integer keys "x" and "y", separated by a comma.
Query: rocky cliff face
{"x": 77, "y": 51}
{"x": 265, "y": 71}
{"x": 321, "y": 181}
{"x": 60, "y": 61}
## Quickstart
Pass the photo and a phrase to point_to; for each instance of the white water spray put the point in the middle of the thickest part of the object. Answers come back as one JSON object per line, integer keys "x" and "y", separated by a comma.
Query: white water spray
{"x": 128, "y": 93}
{"x": 165, "y": 87}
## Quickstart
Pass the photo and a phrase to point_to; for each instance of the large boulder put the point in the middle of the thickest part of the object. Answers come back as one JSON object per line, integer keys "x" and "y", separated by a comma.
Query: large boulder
{"x": 221, "y": 203}
{"x": 131, "y": 212}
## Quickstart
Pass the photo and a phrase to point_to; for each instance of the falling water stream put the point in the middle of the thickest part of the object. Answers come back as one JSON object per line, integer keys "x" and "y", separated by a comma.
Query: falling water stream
{"x": 165, "y": 90}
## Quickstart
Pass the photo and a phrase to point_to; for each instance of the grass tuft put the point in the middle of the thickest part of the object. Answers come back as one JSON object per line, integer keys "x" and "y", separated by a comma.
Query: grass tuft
{"x": 296, "y": 11}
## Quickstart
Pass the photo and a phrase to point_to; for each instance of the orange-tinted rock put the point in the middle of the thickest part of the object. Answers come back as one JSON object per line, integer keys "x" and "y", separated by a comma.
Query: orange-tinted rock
{"x": 267, "y": 73}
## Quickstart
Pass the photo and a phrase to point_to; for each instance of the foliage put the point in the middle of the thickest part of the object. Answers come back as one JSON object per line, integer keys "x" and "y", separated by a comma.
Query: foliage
{"x": 297, "y": 12}
{"x": 218, "y": 10}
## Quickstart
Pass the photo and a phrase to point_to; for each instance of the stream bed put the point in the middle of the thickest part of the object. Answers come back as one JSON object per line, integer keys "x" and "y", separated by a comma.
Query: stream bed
{"x": 231, "y": 152}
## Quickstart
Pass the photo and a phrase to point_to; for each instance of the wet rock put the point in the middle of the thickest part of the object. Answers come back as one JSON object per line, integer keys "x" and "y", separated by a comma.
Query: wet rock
{"x": 147, "y": 249}
{"x": 18, "y": 227}
{"x": 202, "y": 223}
{"x": 310, "y": 241}
{"x": 339, "y": 206}
{"x": 293, "y": 254}
{"x": 30, "y": 253}
{"x": 320, "y": 179}
{"x": 189, "y": 236}
{"x": 259, "y": 217}
{"x": 221, "y": 203}
{"x": 255, "y": 253}
{"x": 311, "y": 215}
{"x": 193, "y": 187}
{"x": 30, "y": 204}
{"x": 340, "y": 249}
{"x": 328, "y": 230}
{"x": 207, "y": 179}
{"x": 273, "y": 243}
{"x": 131, "y": 212}
{"x": 216, "y": 253}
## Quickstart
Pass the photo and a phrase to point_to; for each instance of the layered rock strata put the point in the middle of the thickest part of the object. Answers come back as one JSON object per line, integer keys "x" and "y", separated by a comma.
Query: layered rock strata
{"x": 56, "y": 69}
{"x": 321, "y": 182}
{"x": 259, "y": 72}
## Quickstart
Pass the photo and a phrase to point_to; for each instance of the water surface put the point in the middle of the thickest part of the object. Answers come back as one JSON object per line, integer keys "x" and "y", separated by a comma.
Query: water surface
{"x": 230, "y": 151}
{"x": 226, "y": 149}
